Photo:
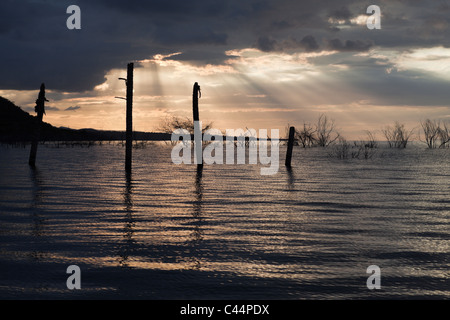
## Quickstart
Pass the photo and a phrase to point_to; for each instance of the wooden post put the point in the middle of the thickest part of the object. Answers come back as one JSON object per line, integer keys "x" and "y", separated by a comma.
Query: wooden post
{"x": 290, "y": 146}
{"x": 198, "y": 136}
{"x": 40, "y": 109}
{"x": 129, "y": 134}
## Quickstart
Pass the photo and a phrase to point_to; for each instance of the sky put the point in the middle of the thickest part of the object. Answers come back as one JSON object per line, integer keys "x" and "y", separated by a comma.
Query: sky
{"x": 261, "y": 64}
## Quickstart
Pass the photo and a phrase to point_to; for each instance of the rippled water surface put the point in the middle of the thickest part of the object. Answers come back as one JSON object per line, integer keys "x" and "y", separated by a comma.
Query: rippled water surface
{"x": 173, "y": 232}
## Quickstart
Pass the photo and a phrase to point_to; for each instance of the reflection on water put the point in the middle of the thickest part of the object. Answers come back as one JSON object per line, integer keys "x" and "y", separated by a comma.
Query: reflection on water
{"x": 197, "y": 212}
{"x": 128, "y": 243}
{"x": 168, "y": 231}
{"x": 291, "y": 178}
{"x": 197, "y": 234}
{"x": 37, "y": 202}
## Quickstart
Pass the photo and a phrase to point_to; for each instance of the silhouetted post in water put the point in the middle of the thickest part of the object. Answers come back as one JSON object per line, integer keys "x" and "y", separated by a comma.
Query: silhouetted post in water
{"x": 40, "y": 109}
{"x": 198, "y": 137}
{"x": 290, "y": 146}
{"x": 129, "y": 134}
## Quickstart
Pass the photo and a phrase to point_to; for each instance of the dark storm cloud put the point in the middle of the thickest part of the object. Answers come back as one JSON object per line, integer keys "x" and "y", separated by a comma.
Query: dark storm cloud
{"x": 268, "y": 44}
{"x": 37, "y": 47}
{"x": 349, "y": 45}
{"x": 342, "y": 13}
{"x": 309, "y": 43}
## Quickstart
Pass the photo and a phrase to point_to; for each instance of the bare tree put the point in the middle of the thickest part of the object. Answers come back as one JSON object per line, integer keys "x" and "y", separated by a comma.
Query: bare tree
{"x": 431, "y": 130}
{"x": 365, "y": 148}
{"x": 306, "y": 137}
{"x": 371, "y": 142}
{"x": 359, "y": 150}
{"x": 342, "y": 149}
{"x": 170, "y": 124}
{"x": 444, "y": 136}
{"x": 389, "y": 133}
{"x": 325, "y": 131}
{"x": 397, "y": 136}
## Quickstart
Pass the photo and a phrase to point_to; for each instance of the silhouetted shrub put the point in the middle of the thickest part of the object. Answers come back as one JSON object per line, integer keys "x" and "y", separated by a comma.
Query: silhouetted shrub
{"x": 323, "y": 134}
{"x": 306, "y": 137}
{"x": 326, "y": 133}
{"x": 359, "y": 150}
{"x": 397, "y": 136}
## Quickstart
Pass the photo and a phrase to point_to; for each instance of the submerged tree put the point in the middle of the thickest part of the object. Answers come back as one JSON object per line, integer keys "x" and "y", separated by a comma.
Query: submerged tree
{"x": 325, "y": 132}
{"x": 397, "y": 136}
{"x": 170, "y": 124}
{"x": 359, "y": 150}
{"x": 431, "y": 130}
{"x": 306, "y": 136}
{"x": 341, "y": 149}
{"x": 444, "y": 136}
{"x": 371, "y": 141}
{"x": 322, "y": 134}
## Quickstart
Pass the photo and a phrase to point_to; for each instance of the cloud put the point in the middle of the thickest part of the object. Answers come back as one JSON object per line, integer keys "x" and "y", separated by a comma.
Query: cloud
{"x": 31, "y": 110}
{"x": 340, "y": 14}
{"x": 349, "y": 45}
{"x": 267, "y": 44}
{"x": 73, "y": 108}
{"x": 49, "y": 108}
{"x": 309, "y": 44}
{"x": 199, "y": 57}
{"x": 37, "y": 46}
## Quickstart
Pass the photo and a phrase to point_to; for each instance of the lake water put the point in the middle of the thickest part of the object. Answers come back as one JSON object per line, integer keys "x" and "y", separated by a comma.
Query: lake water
{"x": 171, "y": 232}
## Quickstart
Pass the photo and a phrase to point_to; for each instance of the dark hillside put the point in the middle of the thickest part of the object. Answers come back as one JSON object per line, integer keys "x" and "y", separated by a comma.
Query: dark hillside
{"x": 17, "y": 125}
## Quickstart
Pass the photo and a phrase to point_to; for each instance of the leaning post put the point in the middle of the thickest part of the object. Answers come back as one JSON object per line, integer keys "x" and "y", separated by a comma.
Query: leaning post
{"x": 40, "y": 110}
{"x": 290, "y": 146}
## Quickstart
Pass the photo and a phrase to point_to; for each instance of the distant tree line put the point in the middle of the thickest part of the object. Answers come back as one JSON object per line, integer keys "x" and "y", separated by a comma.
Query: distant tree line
{"x": 436, "y": 134}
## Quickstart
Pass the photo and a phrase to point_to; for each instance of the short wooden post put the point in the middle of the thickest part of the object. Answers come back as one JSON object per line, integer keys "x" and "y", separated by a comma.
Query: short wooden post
{"x": 129, "y": 133}
{"x": 198, "y": 136}
{"x": 290, "y": 146}
{"x": 40, "y": 109}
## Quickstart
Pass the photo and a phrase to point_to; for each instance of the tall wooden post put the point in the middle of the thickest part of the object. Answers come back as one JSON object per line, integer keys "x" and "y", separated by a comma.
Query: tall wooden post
{"x": 290, "y": 146}
{"x": 129, "y": 134}
{"x": 40, "y": 109}
{"x": 198, "y": 136}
